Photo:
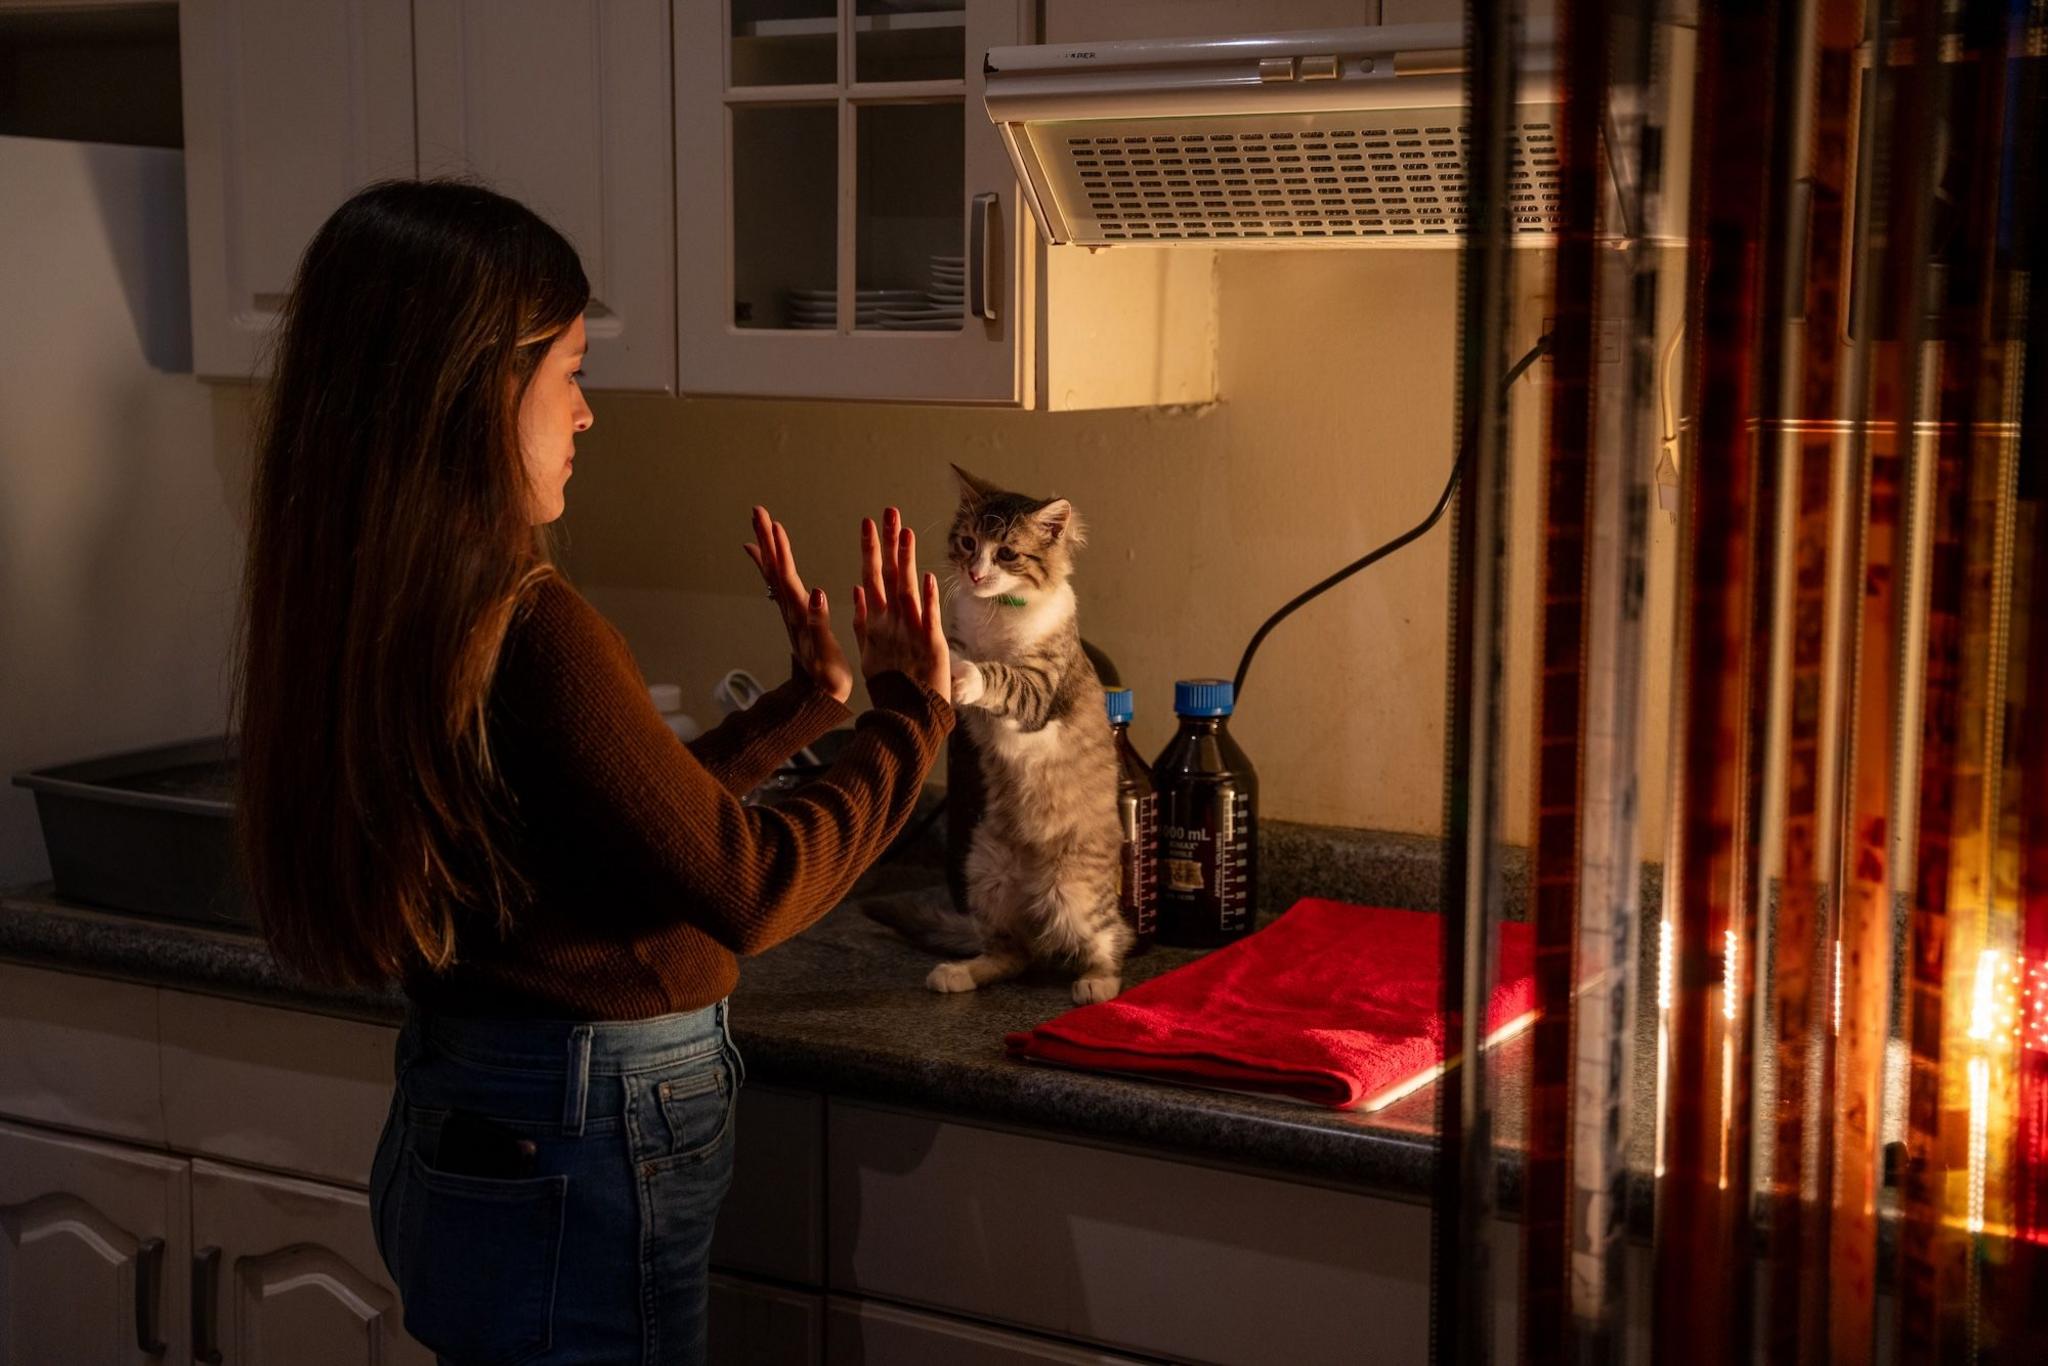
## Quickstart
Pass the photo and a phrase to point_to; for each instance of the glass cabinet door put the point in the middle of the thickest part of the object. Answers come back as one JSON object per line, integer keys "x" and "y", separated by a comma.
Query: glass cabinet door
{"x": 849, "y": 226}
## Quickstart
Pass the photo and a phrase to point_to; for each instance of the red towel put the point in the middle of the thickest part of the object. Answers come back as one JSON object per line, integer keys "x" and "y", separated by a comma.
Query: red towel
{"x": 1331, "y": 1003}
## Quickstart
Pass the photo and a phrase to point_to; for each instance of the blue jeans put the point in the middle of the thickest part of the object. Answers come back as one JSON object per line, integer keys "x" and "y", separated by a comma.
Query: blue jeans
{"x": 595, "y": 1246}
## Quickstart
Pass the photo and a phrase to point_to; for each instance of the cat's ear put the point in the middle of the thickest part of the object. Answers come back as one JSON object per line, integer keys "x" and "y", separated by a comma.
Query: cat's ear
{"x": 973, "y": 490}
{"x": 1058, "y": 520}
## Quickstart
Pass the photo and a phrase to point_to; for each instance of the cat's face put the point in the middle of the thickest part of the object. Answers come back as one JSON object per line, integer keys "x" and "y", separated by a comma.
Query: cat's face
{"x": 1009, "y": 543}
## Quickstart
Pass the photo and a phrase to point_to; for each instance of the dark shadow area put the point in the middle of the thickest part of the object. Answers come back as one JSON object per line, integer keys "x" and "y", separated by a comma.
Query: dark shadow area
{"x": 94, "y": 75}
{"x": 142, "y": 207}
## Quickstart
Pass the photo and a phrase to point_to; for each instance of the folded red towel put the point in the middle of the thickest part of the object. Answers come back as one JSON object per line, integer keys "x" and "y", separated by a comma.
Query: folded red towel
{"x": 1331, "y": 1003}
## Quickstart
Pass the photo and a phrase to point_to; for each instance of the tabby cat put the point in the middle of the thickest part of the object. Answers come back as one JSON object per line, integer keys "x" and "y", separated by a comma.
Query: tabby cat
{"x": 1042, "y": 866}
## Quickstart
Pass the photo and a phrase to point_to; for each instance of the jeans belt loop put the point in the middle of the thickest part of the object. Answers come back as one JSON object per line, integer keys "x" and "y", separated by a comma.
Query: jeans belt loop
{"x": 732, "y": 1051}
{"x": 576, "y": 1094}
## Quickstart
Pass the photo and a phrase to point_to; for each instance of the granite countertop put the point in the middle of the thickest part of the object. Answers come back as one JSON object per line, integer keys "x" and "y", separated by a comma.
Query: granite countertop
{"x": 843, "y": 1010}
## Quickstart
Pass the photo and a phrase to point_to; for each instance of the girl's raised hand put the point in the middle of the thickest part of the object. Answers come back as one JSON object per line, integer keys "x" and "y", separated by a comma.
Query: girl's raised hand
{"x": 805, "y": 614}
{"x": 895, "y": 616}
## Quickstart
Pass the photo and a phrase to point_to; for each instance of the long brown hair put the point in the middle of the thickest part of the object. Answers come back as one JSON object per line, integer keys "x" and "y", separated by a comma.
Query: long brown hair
{"x": 390, "y": 544}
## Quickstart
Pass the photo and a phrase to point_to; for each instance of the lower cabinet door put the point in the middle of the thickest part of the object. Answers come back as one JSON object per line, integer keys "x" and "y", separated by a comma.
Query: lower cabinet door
{"x": 860, "y": 1333}
{"x": 289, "y": 1275}
{"x": 764, "y": 1325}
{"x": 92, "y": 1252}
{"x": 772, "y": 1223}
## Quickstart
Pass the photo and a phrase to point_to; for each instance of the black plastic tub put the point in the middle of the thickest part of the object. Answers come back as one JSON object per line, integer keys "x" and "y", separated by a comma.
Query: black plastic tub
{"x": 149, "y": 832}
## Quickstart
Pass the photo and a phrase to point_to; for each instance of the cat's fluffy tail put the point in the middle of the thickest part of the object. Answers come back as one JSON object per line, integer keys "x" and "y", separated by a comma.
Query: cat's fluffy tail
{"x": 927, "y": 919}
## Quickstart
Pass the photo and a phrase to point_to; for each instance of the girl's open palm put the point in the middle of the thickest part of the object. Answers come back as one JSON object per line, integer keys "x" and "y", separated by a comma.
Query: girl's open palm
{"x": 895, "y": 617}
{"x": 805, "y": 613}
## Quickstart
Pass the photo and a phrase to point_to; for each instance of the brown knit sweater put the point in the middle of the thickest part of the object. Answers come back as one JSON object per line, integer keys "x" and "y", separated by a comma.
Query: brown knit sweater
{"x": 648, "y": 874}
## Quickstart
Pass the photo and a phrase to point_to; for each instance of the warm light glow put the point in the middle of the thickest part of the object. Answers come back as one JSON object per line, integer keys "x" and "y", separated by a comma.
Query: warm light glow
{"x": 1838, "y": 986}
{"x": 1997, "y": 1018}
{"x": 2032, "y": 1024}
{"x": 1980, "y": 1128}
{"x": 1995, "y": 1008}
{"x": 1727, "y": 1099}
{"x": 1666, "y": 933}
{"x": 1730, "y": 983}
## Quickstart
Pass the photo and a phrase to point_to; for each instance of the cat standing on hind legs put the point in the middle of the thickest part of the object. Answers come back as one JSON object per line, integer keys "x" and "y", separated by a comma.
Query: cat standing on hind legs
{"x": 1043, "y": 865}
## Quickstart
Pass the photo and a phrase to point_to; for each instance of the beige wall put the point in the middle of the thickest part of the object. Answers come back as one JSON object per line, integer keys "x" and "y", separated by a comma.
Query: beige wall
{"x": 1333, "y": 433}
{"x": 119, "y": 551}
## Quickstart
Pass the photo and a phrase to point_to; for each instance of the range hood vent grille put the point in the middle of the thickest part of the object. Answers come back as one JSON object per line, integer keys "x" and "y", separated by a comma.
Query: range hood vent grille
{"x": 1331, "y": 137}
{"x": 1292, "y": 176}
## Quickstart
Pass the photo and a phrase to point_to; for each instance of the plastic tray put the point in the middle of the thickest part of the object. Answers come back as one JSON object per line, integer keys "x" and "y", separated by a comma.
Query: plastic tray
{"x": 149, "y": 832}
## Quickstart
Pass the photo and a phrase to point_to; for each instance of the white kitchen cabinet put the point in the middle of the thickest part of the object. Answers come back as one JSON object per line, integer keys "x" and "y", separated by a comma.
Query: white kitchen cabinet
{"x": 288, "y": 1275}
{"x": 773, "y": 1220}
{"x": 1151, "y": 1256}
{"x": 287, "y": 1089}
{"x": 79, "y": 1053}
{"x": 565, "y": 107}
{"x": 289, "y": 109}
{"x": 849, "y": 226}
{"x": 93, "y": 1248}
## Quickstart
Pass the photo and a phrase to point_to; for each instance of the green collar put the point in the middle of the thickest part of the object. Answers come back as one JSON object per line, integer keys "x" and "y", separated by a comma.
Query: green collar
{"x": 1011, "y": 600}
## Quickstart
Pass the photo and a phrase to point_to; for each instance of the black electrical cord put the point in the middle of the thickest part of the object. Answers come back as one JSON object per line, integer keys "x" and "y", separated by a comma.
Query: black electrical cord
{"x": 1366, "y": 561}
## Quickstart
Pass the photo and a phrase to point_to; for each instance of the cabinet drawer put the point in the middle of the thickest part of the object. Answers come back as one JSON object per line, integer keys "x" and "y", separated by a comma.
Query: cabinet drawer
{"x": 857, "y": 1332}
{"x": 275, "y": 1088}
{"x": 1131, "y": 1251}
{"x": 773, "y": 1219}
{"x": 765, "y": 1325}
{"x": 79, "y": 1052}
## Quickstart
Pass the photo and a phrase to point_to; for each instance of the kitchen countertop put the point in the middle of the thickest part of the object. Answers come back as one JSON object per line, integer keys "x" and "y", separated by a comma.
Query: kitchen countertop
{"x": 843, "y": 1010}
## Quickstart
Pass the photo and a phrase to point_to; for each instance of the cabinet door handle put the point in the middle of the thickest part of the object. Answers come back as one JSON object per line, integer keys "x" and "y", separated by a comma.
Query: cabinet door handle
{"x": 149, "y": 1295}
{"x": 206, "y": 1306}
{"x": 984, "y": 225}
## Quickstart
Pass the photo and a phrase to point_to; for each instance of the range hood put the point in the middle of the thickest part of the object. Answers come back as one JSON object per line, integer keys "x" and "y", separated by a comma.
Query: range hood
{"x": 1348, "y": 137}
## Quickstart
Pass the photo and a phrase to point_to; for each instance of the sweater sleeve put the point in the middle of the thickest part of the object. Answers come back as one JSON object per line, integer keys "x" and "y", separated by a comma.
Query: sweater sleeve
{"x": 748, "y": 876}
{"x": 743, "y": 749}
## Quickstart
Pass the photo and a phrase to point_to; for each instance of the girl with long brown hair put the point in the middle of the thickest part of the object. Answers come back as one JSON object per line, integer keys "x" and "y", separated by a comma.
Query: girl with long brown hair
{"x": 452, "y": 777}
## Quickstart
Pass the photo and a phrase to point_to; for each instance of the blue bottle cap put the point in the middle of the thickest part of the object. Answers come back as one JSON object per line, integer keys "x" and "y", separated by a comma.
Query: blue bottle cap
{"x": 1121, "y": 710}
{"x": 1204, "y": 697}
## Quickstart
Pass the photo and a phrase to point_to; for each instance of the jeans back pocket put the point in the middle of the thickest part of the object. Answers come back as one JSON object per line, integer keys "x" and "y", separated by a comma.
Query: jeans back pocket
{"x": 480, "y": 1260}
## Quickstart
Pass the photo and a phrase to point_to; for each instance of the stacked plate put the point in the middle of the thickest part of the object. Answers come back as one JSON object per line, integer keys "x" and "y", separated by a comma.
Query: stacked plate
{"x": 941, "y": 305}
{"x": 817, "y": 310}
{"x": 936, "y": 308}
{"x": 949, "y": 280}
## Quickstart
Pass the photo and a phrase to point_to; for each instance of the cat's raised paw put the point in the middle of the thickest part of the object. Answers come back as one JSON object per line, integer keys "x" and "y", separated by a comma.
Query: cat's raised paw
{"x": 950, "y": 977}
{"x": 1089, "y": 990}
{"x": 967, "y": 683}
